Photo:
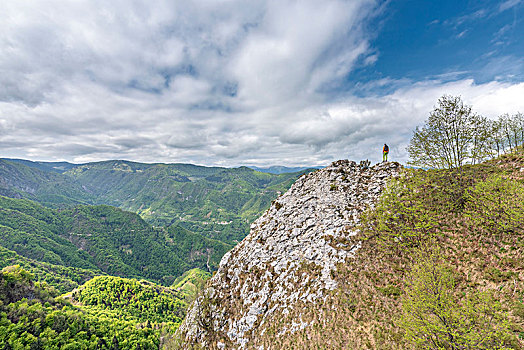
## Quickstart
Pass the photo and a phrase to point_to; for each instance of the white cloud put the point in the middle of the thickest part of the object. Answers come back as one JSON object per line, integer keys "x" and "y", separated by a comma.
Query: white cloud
{"x": 208, "y": 82}
{"x": 297, "y": 47}
{"x": 509, "y": 4}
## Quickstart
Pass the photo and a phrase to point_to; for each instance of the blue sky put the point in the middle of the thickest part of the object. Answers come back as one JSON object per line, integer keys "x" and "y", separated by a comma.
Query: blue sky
{"x": 447, "y": 40}
{"x": 258, "y": 82}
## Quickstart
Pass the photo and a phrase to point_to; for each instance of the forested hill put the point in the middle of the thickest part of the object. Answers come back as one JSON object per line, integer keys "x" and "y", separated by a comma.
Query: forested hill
{"x": 216, "y": 202}
{"x": 66, "y": 247}
{"x": 105, "y": 313}
{"x": 17, "y": 180}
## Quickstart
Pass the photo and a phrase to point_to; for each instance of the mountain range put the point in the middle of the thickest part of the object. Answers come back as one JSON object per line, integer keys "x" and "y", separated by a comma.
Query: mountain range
{"x": 218, "y": 203}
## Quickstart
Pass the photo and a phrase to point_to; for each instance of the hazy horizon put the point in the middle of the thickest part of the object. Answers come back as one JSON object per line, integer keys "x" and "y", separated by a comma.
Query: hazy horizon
{"x": 153, "y": 163}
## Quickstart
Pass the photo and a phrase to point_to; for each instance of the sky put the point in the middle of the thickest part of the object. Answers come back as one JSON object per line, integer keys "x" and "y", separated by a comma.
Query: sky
{"x": 258, "y": 82}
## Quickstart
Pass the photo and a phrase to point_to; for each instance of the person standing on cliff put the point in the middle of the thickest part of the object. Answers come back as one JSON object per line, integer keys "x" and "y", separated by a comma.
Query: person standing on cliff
{"x": 385, "y": 152}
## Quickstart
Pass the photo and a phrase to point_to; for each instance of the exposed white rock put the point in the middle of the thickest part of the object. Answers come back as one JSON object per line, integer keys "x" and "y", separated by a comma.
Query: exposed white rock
{"x": 306, "y": 225}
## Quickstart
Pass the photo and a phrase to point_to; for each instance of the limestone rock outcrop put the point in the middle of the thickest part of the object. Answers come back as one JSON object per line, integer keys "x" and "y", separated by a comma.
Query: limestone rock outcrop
{"x": 307, "y": 227}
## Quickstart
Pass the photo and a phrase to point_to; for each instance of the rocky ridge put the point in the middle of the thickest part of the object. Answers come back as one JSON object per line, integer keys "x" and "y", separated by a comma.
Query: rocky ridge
{"x": 287, "y": 259}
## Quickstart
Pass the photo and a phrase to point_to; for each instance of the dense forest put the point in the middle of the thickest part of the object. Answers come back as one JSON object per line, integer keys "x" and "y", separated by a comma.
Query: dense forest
{"x": 105, "y": 313}
{"x": 99, "y": 239}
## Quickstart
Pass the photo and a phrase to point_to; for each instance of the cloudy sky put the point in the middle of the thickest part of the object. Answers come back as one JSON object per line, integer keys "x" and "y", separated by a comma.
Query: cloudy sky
{"x": 226, "y": 82}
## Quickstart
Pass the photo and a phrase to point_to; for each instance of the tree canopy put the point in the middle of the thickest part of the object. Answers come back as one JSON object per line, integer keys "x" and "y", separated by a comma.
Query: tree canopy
{"x": 454, "y": 135}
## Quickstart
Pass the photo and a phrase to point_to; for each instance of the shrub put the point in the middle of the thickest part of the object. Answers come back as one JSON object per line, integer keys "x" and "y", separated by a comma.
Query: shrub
{"x": 403, "y": 217}
{"x": 497, "y": 204}
{"x": 436, "y": 314}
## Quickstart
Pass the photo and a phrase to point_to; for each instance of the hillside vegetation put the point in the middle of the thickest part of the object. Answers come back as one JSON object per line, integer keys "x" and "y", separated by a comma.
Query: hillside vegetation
{"x": 218, "y": 203}
{"x": 65, "y": 247}
{"x": 62, "y": 278}
{"x": 105, "y": 313}
{"x": 441, "y": 266}
{"x": 132, "y": 298}
{"x": 191, "y": 282}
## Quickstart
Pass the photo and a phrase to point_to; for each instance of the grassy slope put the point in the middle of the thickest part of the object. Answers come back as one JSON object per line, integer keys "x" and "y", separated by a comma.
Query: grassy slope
{"x": 191, "y": 282}
{"x": 365, "y": 311}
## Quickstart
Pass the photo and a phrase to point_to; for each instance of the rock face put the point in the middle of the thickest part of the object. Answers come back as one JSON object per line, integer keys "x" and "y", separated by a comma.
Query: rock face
{"x": 266, "y": 274}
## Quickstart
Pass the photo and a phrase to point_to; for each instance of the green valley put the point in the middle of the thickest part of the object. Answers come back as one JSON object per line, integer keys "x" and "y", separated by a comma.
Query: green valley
{"x": 127, "y": 246}
{"x": 215, "y": 202}
{"x": 100, "y": 239}
{"x": 110, "y": 254}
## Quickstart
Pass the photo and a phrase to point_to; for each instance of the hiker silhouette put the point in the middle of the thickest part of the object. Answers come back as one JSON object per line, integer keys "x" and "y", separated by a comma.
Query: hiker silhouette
{"x": 385, "y": 151}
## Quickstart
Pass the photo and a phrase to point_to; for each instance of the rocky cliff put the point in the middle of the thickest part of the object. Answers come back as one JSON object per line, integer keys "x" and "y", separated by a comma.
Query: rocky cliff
{"x": 269, "y": 283}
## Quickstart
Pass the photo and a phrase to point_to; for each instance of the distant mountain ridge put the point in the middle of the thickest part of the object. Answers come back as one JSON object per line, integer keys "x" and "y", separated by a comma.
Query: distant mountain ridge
{"x": 281, "y": 169}
{"x": 216, "y": 202}
{"x": 61, "y": 167}
{"x": 58, "y": 167}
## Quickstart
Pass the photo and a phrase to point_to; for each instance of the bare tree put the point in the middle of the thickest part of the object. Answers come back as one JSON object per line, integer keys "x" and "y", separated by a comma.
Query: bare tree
{"x": 508, "y": 125}
{"x": 446, "y": 138}
{"x": 496, "y": 136}
{"x": 453, "y": 135}
{"x": 519, "y": 128}
{"x": 481, "y": 148}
